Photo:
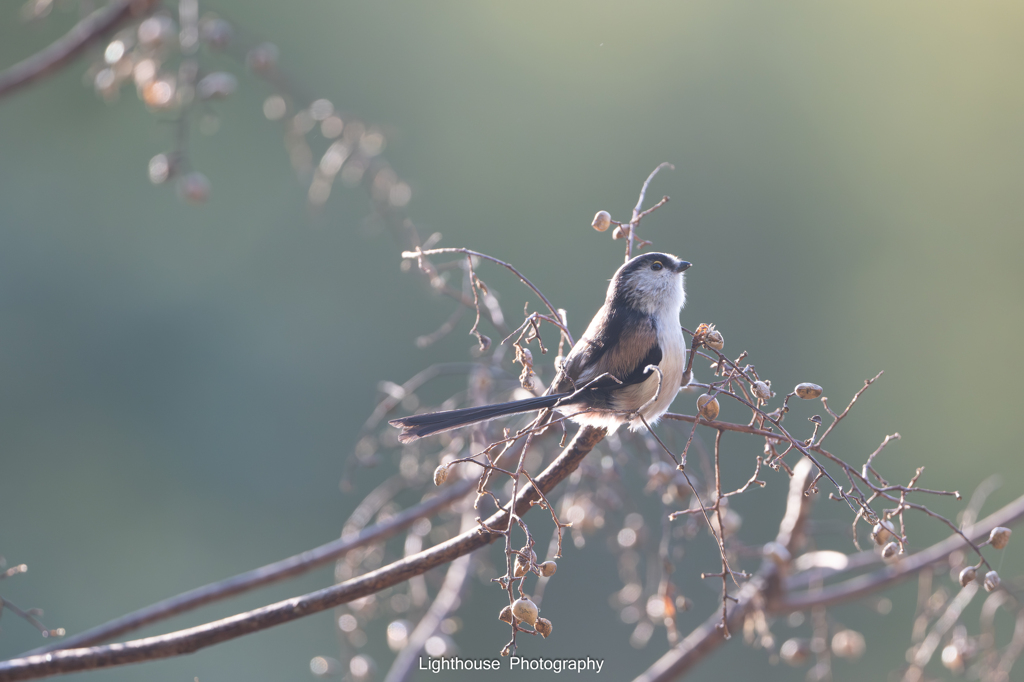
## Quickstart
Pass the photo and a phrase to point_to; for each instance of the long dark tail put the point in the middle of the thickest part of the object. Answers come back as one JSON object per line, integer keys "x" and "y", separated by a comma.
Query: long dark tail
{"x": 420, "y": 425}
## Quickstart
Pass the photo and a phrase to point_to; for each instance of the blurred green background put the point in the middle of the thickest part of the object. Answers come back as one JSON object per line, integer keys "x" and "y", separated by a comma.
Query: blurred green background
{"x": 180, "y": 387}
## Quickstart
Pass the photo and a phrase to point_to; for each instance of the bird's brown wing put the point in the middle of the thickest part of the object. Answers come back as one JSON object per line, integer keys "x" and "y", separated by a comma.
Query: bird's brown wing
{"x": 620, "y": 342}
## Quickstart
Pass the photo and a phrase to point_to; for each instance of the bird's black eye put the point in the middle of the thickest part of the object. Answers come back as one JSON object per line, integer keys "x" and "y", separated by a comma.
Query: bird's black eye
{"x": 656, "y": 265}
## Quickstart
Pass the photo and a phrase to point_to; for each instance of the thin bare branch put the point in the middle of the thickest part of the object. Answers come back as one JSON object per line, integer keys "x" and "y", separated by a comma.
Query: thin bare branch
{"x": 418, "y": 254}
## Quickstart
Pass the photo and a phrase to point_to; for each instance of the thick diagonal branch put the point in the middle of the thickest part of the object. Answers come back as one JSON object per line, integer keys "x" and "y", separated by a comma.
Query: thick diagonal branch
{"x": 764, "y": 591}
{"x": 706, "y": 638}
{"x": 264, "y": 575}
{"x": 199, "y": 637}
{"x": 69, "y": 46}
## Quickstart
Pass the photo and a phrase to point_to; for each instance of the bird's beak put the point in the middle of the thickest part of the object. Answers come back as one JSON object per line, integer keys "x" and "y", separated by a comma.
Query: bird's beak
{"x": 683, "y": 265}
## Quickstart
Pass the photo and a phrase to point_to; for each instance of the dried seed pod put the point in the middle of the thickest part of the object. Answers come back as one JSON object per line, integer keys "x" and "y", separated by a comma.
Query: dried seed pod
{"x": 618, "y": 232}
{"x": 890, "y": 550}
{"x": 707, "y": 406}
{"x": 968, "y": 575}
{"x": 795, "y": 651}
{"x": 883, "y": 532}
{"x": 992, "y": 581}
{"x": 848, "y": 644}
{"x": 506, "y": 614}
{"x": 525, "y": 610}
{"x": 807, "y": 391}
{"x": 521, "y": 565}
{"x": 715, "y": 340}
{"x": 762, "y": 391}
{"x": 602, "y": 221}
{"x": 999, "y": 537}
{"x": 548, "y": 568}
{"x": 441, "y": 474}
{"x": 543, "y": 626}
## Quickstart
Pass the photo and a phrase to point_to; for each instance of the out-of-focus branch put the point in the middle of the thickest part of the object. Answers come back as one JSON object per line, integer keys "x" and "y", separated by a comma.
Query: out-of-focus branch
{"x": 764, "y": 591}
{"x": 447, "y": 599}
{"x": 258, "y": 577}
{"x": 199, "y": 637}
{"x": 706, "y": 638}
{"x": 905, "y": 568}
{"x": 69, "y": 46}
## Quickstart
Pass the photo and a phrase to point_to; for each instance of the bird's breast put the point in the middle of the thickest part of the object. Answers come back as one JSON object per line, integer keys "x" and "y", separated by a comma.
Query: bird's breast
{"x": 665, "y": 386}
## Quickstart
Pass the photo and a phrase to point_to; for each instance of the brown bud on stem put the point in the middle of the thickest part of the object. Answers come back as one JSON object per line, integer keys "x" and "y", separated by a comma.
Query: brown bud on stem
{"x": 707, "y": 406}
{"x": 602, "y": 221}
{"x": 807, "y": 391}
{"x": 543, "y": 626}
{"x": 999, "y": 537}
{"x": 883, "y": 532}
{"x": 525, "y": 610}
{"x": 762, "y": 391}
{"x": 968, "y": 575}
{"x": 521, "y": 565}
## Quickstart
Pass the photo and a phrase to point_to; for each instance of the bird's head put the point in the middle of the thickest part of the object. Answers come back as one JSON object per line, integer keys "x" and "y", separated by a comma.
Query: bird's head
{"x": 651, "y": 283}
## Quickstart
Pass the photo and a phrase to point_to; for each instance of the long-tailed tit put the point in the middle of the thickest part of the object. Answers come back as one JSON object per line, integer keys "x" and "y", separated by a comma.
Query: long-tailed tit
{"x": 605, "y": 380}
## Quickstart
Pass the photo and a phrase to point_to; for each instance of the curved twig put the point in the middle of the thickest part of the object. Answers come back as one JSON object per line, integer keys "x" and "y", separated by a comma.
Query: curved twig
{"x": 419, "y": 253}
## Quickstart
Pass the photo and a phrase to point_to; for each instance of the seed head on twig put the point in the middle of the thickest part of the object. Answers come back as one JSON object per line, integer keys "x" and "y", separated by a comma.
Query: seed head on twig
{"x": 968, "y": 575}
{"x": 708, "y": 407}
{"x": 807, "y": 390}
{"x": 525, "y": 610}
{"x": 543, "y": 626}
{"x": 522, "y": 566}
{"x": 883, "y": 532}
{"x": 762, "y": 390}
{"x": 999, "y": 537}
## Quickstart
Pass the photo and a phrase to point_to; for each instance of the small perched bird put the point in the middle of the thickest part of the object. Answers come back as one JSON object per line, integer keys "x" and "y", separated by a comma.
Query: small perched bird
{"x": 605, "y": 380}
